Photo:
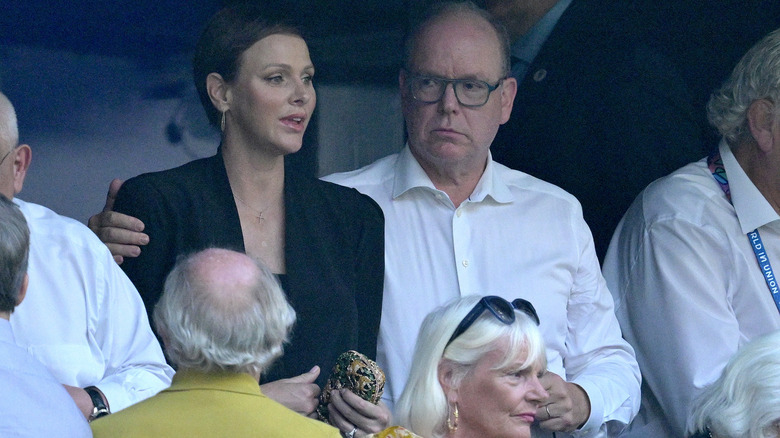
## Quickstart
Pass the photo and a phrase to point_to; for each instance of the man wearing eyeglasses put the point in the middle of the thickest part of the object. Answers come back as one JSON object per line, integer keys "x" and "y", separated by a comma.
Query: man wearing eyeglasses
{"x": 457, "y": 223}
{"x": 82, "y": 317}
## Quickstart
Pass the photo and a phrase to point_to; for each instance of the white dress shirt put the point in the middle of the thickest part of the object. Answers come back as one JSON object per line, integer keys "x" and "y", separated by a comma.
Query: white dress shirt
{"x": 516, "y": 236}
{"x": 82, "y": 317}
{"x": 32, "y": 403}
{"x": 688, "y": 290}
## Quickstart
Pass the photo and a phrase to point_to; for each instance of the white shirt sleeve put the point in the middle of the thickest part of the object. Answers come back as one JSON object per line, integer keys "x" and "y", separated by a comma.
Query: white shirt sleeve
{"x": 675, "y": 308}
{"x": 598, "y": 358}
{"x": 135, "y": 367}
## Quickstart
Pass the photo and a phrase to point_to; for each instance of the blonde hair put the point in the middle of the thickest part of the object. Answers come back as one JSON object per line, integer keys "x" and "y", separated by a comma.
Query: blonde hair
{"x": 422, "y": 406}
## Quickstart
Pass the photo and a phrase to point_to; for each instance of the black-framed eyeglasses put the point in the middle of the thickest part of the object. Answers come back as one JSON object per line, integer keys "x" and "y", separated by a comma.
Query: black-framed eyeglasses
{"x": 471, "y": 93}
{"x": 502, "y": 309}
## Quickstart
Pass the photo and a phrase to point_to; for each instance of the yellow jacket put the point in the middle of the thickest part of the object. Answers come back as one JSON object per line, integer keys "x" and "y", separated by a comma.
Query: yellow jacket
{"x": 210, "y": 405}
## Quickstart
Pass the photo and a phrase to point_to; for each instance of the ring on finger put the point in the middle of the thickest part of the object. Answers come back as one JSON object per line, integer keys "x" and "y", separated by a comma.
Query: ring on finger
{"x": 351, "y": 434}
{"x": 546, "y": 408}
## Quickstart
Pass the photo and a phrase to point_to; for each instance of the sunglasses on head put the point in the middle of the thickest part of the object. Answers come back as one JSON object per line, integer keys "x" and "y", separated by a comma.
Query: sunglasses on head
{"x": 502, "y": 309}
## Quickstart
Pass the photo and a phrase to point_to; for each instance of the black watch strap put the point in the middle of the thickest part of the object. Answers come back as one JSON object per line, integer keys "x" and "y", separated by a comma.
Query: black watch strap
{"x": 99, "y": 406}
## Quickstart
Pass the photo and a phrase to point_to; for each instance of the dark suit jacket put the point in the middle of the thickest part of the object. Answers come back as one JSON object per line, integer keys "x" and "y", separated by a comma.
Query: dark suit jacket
{"x": 334, "y": 253}
{"x": 600, "y": 114}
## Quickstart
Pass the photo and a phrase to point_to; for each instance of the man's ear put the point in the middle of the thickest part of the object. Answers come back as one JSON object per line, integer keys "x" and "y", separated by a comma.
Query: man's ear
{"x": 761, "y": 122}
{"x": 23, "y": 290}
{"x": 508, "y": 92}
{"x": 445, "y": 371}
{"x": 22, "y": 158}
{"x": 219, "y": 92}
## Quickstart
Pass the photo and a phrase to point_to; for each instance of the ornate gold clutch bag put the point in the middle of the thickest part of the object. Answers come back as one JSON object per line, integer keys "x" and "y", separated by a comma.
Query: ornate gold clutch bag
{"x": 357, "y": 373}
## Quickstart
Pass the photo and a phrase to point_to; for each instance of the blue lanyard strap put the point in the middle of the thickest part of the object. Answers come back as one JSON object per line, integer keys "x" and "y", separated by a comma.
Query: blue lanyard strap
{"x": 715, "y": 163}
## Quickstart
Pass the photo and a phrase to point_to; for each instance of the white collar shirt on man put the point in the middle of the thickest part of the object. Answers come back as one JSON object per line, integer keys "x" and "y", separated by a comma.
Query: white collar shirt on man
{"x": 82, "y": 317}
{"x": 516, "y": 236}
{"x": 688, "y": 291}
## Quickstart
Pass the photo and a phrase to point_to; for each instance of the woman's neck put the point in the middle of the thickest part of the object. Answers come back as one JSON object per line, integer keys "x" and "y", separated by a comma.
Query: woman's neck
{"x": 255, "y": 178}
{"x": 257, "y": 184}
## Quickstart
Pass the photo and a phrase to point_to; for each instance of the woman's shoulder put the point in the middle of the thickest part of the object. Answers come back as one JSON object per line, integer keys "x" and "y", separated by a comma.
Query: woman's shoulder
{"x": 394, "y": 432}
{"x": 196, "y": 186}
{"x": 335, "y": 198}
{"x": 188, "y": 173}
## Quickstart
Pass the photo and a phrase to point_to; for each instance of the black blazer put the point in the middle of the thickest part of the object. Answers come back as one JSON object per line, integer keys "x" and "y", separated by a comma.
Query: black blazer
{"x": 600, "y": 114}
{"x": 334, "y": 253}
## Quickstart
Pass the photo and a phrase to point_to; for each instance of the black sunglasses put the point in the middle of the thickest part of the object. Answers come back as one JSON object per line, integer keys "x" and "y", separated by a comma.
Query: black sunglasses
{"x": 502, "y": 309}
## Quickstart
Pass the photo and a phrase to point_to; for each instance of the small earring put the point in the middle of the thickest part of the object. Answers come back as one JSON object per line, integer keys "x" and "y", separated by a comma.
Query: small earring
{"x": 453, "y": 425}
{"x": 222, "y": 122}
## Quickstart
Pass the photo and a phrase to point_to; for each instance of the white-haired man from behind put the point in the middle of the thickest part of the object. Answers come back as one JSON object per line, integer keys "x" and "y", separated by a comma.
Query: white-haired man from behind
{"x": 83, "y": 318}
{"x": 745, "y": 400}
{"x": 33, "y": 403}
{"x": 224, "y": 319}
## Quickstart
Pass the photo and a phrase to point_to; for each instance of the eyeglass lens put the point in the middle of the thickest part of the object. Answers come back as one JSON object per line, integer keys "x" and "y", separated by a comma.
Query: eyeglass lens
{"x": 468, "y": 92}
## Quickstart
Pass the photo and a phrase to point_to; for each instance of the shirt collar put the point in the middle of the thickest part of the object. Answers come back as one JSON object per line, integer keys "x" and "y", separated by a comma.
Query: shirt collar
{"x": 753, "y": 210}
{"x": 185, "y": 380}
{"x": 529, "y": 45}
{"x": 410, "y": 175}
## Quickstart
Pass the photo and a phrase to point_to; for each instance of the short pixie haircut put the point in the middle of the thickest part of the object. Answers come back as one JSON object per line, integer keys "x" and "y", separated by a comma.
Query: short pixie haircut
{"x": 422, "y": 406}
{"x": 202, "y": 333}
{"x": 743, "y": 402}
{"x": 227, "y": 35}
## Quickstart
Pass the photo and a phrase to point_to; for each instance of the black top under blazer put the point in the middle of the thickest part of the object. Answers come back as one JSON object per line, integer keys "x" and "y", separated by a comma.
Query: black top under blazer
{"x": 334, "y": 252}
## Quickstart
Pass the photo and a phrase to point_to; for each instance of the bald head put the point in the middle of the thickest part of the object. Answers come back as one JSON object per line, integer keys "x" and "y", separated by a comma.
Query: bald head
{"x": 464, "y": 11}
{"x": 9, "y": 130}
{"x": 225, "y": 277}
{"x": 14, "y": 158}
{"x": 221, "y": 310}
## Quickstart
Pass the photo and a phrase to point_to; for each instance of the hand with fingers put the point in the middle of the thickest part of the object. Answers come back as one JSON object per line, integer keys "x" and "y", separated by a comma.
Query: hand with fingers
{"x": 356, "y": 417}
{"x": 122, "y": 234}
{"x": 566, "y": 409}
{"x": 298, "y": 393}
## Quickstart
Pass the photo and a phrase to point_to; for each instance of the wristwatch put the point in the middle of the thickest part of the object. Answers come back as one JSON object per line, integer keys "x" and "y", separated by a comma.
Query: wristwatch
{"x": 99, "y": 408}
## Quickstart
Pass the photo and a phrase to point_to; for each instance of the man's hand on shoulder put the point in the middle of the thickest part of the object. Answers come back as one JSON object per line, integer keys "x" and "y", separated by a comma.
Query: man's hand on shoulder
{"x": 122, "y": 234}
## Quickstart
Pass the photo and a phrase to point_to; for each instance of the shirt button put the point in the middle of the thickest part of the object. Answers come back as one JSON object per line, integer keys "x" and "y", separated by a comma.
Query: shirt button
{"x": 458, "y": 212}
{"x": 465, "y": 263}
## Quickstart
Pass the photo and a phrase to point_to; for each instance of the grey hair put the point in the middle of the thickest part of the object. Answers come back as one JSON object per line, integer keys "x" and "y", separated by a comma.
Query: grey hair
{"x": 14, "y": 253}
{"x": 205, "y": 331}
{"x": 449, "y": 8}
{"x": 743, "y": 402}
{"x": 423, "y": 406}
{"x": 9, "y": 129}
{"x": 756, "y": 76}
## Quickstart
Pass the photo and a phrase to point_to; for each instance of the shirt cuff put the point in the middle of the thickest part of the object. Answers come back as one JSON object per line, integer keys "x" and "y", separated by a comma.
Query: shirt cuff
{"x": 116, "y": 396}
{"x": 593, "y": 425}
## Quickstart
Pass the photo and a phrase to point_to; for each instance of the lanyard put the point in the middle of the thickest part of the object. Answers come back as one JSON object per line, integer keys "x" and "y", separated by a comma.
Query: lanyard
{"x": 715, "y": 163}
